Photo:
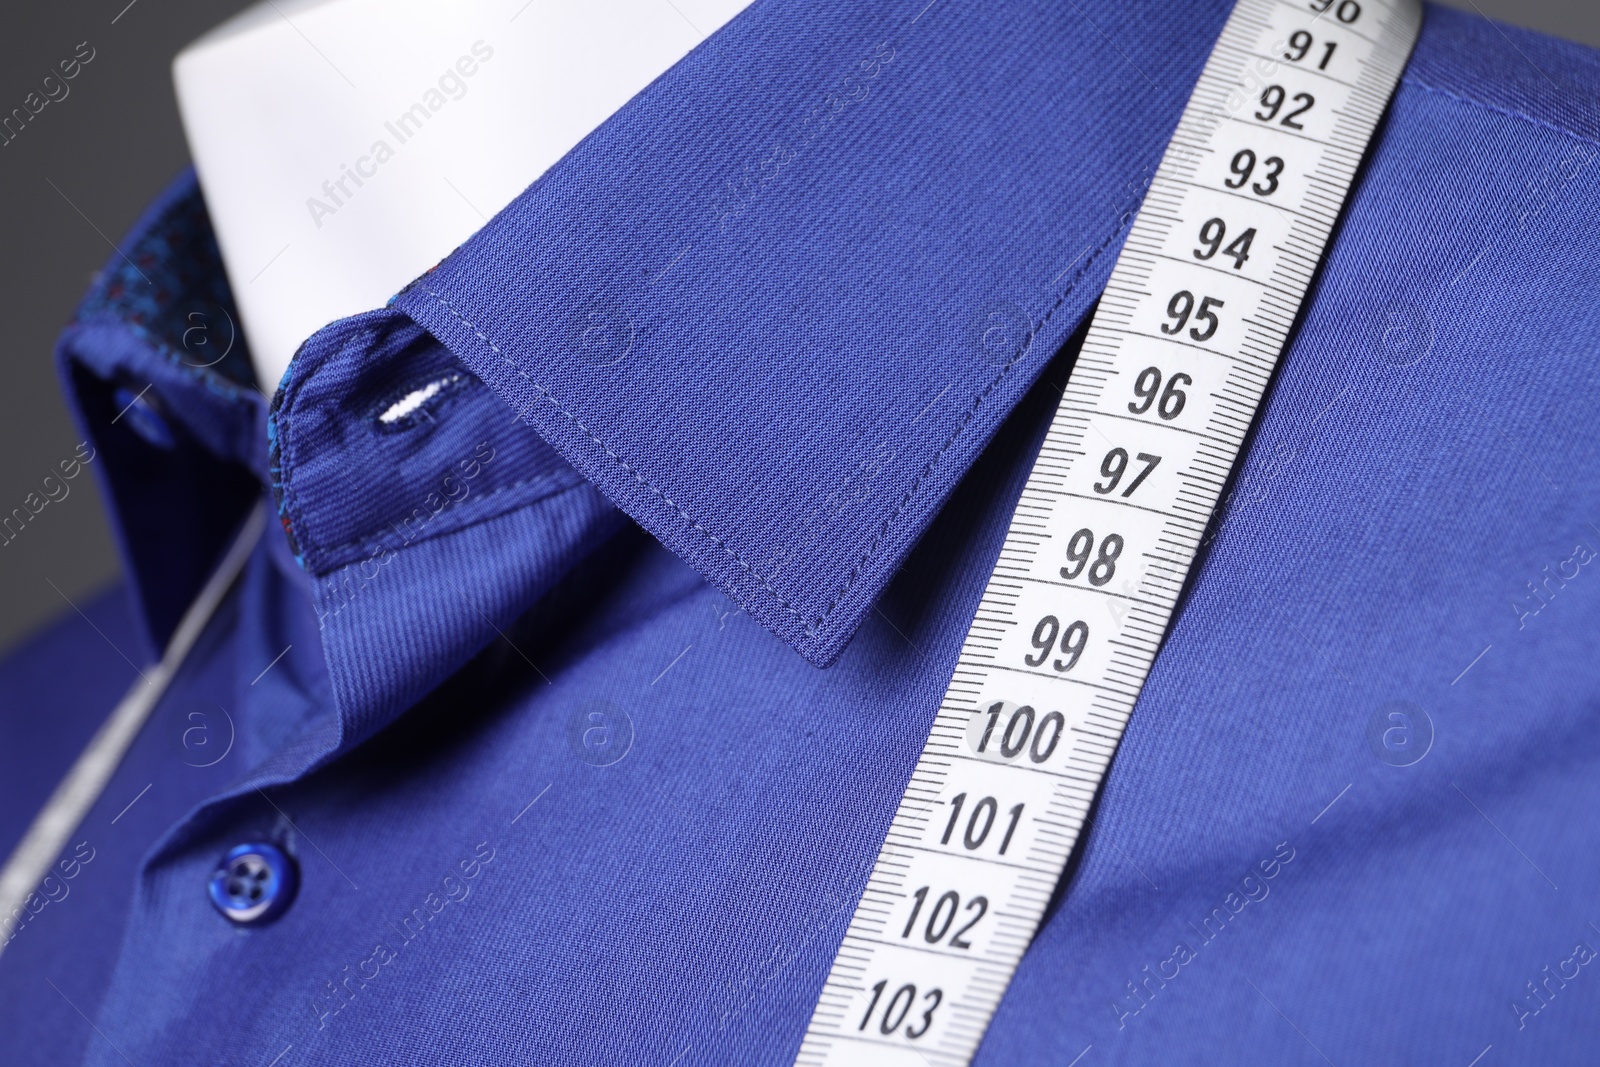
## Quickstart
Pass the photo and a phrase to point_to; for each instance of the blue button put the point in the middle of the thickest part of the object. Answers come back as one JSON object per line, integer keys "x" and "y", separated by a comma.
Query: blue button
{"x": 254, "y": 883}
{"x": 140, "y": 411}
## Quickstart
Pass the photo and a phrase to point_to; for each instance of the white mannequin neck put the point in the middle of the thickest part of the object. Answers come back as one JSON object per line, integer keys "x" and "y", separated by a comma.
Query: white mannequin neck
{"x": 345, "y": 146}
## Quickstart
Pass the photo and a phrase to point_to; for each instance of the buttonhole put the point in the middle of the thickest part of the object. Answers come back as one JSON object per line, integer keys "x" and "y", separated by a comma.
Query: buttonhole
{"x": 413, "y": 404}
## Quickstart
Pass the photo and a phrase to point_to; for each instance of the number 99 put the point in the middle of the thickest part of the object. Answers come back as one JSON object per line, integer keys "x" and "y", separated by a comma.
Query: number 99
{"x": 1072, "y": 643}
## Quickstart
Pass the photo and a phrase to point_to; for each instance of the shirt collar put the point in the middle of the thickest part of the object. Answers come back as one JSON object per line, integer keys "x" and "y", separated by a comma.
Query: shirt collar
{"x": 160, "y": 383}
{"x": 772, "y": 310}
{"x": 777, "y": 304}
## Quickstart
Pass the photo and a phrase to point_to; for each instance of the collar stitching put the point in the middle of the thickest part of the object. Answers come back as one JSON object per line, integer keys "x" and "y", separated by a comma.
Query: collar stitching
{"x": 221, "y": 385}
{"x": 637, "y": 475}
{"x": 812, "y": 626}
{"x": 281, "y": 462}
{"x": 905, "y": 501}
{"x": 549, "y": 484}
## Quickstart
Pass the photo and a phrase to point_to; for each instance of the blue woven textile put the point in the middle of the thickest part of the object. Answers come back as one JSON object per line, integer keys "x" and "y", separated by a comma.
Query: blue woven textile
{"x": 582, "y": 691}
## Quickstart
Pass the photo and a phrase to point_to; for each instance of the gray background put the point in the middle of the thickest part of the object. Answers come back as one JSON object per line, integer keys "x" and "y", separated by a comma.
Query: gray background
{"x": 109, "y": 147}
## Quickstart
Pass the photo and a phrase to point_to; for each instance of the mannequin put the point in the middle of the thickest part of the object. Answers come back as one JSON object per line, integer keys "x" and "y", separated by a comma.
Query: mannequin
{"x": 345, "y": 146}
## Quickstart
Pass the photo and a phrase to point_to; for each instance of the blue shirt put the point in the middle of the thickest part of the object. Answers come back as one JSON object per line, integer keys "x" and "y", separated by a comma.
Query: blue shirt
{"x": 622, "y": 561}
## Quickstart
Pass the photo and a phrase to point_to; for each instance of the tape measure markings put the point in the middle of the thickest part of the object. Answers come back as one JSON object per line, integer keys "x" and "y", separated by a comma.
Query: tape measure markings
{"x": 1031, "y": 718}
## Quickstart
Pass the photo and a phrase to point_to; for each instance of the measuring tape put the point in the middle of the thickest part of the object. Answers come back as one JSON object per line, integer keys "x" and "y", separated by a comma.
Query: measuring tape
{"x": 1168, "y": 380}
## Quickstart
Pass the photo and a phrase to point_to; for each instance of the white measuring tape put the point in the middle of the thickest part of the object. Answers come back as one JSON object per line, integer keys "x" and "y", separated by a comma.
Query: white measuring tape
{"x": 77, "y": 793}
{"x": 1192, "y": 322}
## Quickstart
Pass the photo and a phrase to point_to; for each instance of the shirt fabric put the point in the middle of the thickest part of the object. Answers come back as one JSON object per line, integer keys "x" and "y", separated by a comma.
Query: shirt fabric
{"x": 625, "y": 556}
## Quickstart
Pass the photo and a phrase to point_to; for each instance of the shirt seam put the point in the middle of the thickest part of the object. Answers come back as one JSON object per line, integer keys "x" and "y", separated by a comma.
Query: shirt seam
{"x": 1418, "y": 82}
{"x": 550, "y": 483}
{"x": 214, "y": 382}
